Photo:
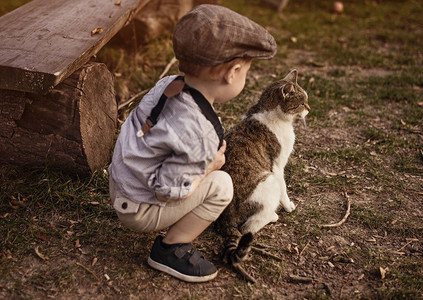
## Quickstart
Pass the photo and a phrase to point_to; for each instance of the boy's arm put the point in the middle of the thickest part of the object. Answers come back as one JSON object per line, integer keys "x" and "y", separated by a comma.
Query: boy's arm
{"x": 216, "y": 164}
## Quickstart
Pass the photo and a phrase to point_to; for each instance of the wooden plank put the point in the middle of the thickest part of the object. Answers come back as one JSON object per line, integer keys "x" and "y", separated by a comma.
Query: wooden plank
{"x": 44, "y": 41}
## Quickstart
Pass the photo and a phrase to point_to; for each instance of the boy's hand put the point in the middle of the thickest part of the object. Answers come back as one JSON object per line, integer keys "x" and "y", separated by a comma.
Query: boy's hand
{"x": 216, "y": 164}
{"x": 219, "y": 159}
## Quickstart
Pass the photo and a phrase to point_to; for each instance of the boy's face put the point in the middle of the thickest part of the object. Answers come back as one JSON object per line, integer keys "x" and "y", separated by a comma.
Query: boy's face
{"x": 237, "y": 83}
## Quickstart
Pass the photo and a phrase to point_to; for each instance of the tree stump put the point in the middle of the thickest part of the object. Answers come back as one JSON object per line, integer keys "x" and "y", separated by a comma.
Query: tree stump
{"x": 71, "y": 128}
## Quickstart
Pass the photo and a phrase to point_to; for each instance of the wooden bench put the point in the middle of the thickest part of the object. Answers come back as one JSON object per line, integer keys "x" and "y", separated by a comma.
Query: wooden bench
{"x": 56, "y": 107}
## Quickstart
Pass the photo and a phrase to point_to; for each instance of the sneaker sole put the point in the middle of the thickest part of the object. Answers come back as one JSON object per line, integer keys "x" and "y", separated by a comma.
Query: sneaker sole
{"x": 174, "y": 273}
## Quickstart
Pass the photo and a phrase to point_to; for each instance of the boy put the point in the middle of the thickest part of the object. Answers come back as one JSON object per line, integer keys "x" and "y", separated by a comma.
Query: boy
{"x": 165, "y": 167}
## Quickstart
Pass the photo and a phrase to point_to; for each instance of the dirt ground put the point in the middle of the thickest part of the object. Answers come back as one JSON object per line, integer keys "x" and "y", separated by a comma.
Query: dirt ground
{"x": 362, "y": 148}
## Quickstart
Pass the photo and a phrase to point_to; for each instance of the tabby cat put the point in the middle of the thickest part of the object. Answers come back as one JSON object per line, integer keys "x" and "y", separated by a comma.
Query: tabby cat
{"x": 257, "y": 151}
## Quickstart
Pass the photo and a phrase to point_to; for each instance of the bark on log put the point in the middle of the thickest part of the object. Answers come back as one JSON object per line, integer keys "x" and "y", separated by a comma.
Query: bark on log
{"x": 71, "y": 128}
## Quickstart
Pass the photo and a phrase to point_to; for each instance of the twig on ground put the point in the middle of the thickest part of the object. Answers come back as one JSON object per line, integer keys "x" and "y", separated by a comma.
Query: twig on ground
{"x": 261, "y": 245}
{"x": 132, "y": 99}
{"x": 347, "y": 213}
{"x": 265, "y": 253}
{"x": 301, "y": 279}
{"x": 39, "y": 254}
{"x": 244, "y": 273}
{"x": 408, "y": 243}
{"x": 301, "y": 253}
{"x": 166, "y": 69}
{"x": 88, "y": 270}
{"x": 168, "y": 66}
{"x": 344, "y": 285}
{"x": 94, "y": 275}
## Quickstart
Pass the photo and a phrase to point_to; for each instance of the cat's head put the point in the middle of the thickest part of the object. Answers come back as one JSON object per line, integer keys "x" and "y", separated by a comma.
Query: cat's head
{"x": 285, "y": 94}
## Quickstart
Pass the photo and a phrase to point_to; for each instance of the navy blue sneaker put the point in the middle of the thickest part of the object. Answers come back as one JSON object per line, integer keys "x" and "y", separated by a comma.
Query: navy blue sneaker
{"x": 181, "y": 261}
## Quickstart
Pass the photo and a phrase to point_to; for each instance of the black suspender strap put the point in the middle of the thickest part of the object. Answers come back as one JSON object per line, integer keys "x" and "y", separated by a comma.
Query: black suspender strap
{"x": 174, "y": 88}
{"x": 207, "y": 111}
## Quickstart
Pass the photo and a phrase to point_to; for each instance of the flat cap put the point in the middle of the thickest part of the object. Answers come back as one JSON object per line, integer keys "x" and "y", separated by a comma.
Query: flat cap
{"x": 210, "y": 35}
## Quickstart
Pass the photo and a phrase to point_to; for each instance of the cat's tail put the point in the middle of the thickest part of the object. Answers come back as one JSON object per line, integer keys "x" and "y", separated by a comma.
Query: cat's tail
{"x": 237, "y": 251}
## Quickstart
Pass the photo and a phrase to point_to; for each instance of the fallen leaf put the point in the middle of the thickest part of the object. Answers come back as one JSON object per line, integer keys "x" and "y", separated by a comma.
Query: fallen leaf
{"x": 95, "y": 259}
{"x": 118, "y": 2}
{"x": 292, "y": 249}
{"x": 42, "y": 237}
{"x": 360, "y": 277}
{"x": 77, "y": 244}
{"x": 382, "y": 272}
{"x": 98, "y": 30}
{"x": 4, "y": 216}
{"x": 39, "y": 254}
{"x": 13, "y": 206}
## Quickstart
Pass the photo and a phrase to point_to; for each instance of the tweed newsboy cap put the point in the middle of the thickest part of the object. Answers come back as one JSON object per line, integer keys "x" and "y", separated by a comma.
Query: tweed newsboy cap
{"x": 210, "y": 35}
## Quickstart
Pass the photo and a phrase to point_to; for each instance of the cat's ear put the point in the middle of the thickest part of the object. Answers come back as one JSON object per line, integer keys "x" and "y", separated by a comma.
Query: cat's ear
{"x": 286, "y": 89}
{"x": 292, "y": 76}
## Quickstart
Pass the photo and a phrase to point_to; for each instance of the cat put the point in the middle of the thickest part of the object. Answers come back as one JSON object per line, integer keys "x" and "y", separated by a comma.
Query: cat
{"x": 257, "y": 151}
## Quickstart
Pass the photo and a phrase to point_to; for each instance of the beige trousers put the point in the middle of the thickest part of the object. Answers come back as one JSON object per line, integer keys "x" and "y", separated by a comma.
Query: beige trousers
{"x": 207, "y": 202}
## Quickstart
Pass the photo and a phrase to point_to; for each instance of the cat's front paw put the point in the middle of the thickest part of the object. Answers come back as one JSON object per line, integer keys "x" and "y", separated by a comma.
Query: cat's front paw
{"x": 289, "y": 207}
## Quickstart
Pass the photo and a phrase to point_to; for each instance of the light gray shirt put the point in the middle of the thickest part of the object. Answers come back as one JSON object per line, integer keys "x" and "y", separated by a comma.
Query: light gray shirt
{"x": 167, "y": 159}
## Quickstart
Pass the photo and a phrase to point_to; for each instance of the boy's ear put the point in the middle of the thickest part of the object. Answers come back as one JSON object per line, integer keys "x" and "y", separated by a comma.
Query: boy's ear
{"x": 230, "y": 73}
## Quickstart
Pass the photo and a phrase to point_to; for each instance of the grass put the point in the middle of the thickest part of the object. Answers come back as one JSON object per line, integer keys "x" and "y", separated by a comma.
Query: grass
{"x": 363, "y": 73}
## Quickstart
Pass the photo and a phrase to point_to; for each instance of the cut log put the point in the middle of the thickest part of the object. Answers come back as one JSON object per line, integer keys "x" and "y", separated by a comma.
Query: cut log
{"x": 72, "y": 127}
